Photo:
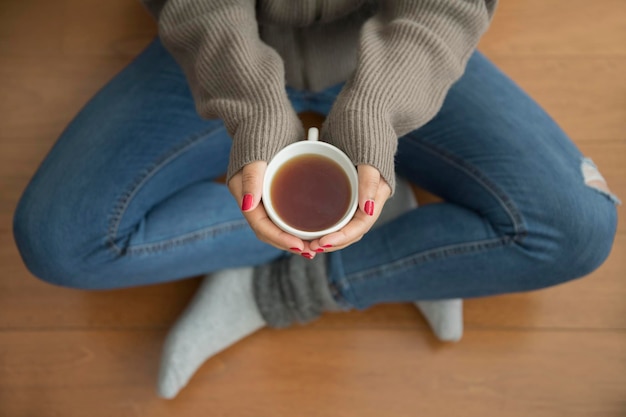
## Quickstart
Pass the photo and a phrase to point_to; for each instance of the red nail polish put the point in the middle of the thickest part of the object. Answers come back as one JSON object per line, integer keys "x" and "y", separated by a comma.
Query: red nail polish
{"x": 369, "y": 207}
{"x": 307, "y": 255}
{"x": 319, "y": 250}
{"x": 247, "y": 202}
{"x": 327, "y": 246}
{"x": 296, "y": 249}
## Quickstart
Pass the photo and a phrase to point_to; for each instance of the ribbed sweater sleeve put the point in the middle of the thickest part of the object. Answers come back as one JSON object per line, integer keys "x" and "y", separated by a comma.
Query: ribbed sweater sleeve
{"x": 232, "y": 74}
{"x": 410, "y": 54}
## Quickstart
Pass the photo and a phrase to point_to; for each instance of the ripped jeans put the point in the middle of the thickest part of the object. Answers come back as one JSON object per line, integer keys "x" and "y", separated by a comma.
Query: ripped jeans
{"x": 127, "y": 196}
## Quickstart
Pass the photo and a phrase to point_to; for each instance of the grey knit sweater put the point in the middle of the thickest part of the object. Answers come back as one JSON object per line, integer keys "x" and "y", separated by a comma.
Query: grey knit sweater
{"x": 399, "y": 58}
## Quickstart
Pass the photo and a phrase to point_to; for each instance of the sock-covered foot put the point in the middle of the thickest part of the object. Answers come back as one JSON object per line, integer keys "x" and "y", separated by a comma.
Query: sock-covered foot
{"x": 222, "y": 312}
{"x": 445, "y": 318}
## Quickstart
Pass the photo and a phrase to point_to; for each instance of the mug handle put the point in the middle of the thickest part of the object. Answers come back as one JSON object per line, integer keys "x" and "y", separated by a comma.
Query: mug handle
{"x": 313, "y": 134}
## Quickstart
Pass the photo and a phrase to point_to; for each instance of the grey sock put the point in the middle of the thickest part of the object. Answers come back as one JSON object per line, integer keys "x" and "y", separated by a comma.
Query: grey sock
{"x": 293, "y": 289}
{"x": 445, "y": 318}
{"x": 222, "y": 312}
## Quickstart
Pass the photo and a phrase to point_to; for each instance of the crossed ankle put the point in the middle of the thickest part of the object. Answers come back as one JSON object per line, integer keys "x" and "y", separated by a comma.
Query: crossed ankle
{"x": 292, "y": 290}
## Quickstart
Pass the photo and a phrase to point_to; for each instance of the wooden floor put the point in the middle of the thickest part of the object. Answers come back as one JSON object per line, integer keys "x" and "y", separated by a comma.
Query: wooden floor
{"x": 558, "y": 352}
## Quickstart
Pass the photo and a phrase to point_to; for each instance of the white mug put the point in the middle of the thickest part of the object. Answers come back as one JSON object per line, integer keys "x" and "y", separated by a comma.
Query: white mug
{"x": 307, "y": 147}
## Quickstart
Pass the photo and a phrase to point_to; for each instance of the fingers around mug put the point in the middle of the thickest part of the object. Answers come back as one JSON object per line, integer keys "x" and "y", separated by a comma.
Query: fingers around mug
{"x": 360, "y": 224}
{"x": 268, "y": 232}
{"x": 249, "y": 181}
{"x": 369, "y": 179}
{"x": 349, "y": 234}
{"x": 252, "y": 185}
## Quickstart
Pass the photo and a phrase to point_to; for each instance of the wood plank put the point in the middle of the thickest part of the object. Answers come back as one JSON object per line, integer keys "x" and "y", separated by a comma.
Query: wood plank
{"x": 42, "y": 95}
{"x": 585, "y": 95}
{"x": 39, "y": 28}
{"x": 574, "y": 27}
{"x": 520, "y": 27}
{"x": 30, "y": 27}
{"x": 112, "y": 28}
{"x": 340, "y": 373}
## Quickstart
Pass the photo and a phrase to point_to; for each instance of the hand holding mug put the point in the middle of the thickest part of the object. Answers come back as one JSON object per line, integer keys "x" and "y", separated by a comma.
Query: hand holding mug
{"x": 320, "y": 205}
{"x": 306, "y": 199}
{"x": 310, "y": 188}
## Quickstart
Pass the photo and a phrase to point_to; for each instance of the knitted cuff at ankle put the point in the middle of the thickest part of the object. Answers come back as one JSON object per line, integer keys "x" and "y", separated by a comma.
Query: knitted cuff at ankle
{"x": 292, "y": 289}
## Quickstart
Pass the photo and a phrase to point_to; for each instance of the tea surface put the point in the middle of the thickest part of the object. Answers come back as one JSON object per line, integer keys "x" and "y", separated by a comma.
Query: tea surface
{"x": 311, "y": 193}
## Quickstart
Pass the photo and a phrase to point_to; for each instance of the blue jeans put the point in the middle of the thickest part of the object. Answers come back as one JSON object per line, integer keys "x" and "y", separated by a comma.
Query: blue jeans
{"x": 127, "y": 197}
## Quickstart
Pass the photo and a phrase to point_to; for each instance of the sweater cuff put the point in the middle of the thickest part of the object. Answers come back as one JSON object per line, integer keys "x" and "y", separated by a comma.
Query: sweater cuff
{"x": 367, "y": 137}
{"x": 259, "y": 137}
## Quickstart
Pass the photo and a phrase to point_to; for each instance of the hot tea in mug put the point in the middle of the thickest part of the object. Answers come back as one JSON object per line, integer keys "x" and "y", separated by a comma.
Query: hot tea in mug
{"x": 310, "y": 188}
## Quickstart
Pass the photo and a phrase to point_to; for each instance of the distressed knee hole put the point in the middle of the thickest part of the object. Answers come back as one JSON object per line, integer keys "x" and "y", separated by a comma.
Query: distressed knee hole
{"x": 594, "y": 179}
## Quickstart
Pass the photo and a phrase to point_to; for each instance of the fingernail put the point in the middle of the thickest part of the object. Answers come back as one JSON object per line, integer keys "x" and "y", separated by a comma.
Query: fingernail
{"x": 369, "y": 207}
{"x": 307, "y": 255}
{"x": 296, "y": 249}
{"x": 319, "y": 250}
{"x": 247, "y": 202}
{"x": 327, "y": 246}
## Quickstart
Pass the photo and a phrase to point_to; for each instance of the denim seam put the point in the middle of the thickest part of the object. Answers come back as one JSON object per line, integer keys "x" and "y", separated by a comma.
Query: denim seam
{"x": 124, "y": 200}
{"x": 505, "y": 202}
{"x": 212, "y": 231}
{"x": 425, "y": 256}
{"x": 335, "y": 264}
